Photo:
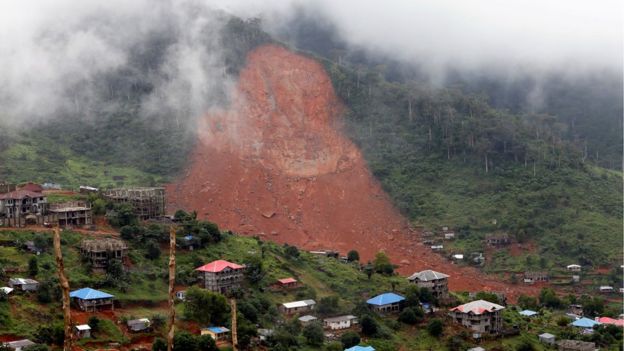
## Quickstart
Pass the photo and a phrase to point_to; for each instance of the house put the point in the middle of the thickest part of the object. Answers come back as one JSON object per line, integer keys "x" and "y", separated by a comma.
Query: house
{"x": 22, "y": 207}
{"x": 137, "y": 325}
{"x": 146, "y": 202}
{"x": 606, "y": 289}
{"x": 437, "y": 247}
{"x": 24, "y": 284}
{"x": 19, "y": 345}
{"x": 573, "y": 268}
{"x": 181, "y": 295}
{"x": 480, "y": 316}
{"x": 82, "y": 331}
{"x": 30, "y": 186}
{"x": 528, "y": 313}
{"x": 458, "y": 257}
{"x": 436, "y": 282}
{"x": 497, "y": 240}
{"x": 535, "y": 277}
{"x": 576, "y": 278}
{"x": 297, "y": 306}
{"x": 360, "y": 348}
{"x": 575, "y": 345}
{"x": 575, "y": 310}
{"x": 6, "y": 290}
{"x": 340, "y": 322}
{"x": 72, "y": 213}
{"x": 478, "y": 348}
{"x": 221, "y": 276}
{"x": 88, "y": 299}
{"x": 585, "y": 323}
{"x": 85, "y": 189}
{"x": 287, "y": 283}
{"x": 307, "y": 319}
{"x": 546, "y": 338}
{"x": 386, "y": 303}
{"x": 99, "y": 252}
{"x": 607, "y": 320}
{"x": 219, "y": 334}
{"x": 264, "y": 334}
{"x": 31, "y": 247}
{"x": 449, "y": 236}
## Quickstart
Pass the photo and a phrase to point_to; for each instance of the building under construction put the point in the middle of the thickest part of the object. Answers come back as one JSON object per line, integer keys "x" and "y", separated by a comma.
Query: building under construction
{"x": 147, "y": 202}
{"x": 72, "y": 213}
{"x": 100, "y": 251}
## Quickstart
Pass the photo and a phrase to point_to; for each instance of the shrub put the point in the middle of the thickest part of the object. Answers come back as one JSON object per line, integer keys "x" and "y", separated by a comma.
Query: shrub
{"x": 353, "y": 255}
{"x": 349, "y": 339}
{"x": 313, "y": 333}
{"x": 435, "y": 327}
{"x": 369, "y": 326}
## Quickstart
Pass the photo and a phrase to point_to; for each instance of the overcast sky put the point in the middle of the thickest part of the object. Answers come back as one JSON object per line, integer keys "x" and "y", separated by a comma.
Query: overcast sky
{"x": 570, "y": 34}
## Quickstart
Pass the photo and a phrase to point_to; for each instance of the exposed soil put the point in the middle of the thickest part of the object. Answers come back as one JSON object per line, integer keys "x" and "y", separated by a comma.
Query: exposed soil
{"x": 276, "y": 164}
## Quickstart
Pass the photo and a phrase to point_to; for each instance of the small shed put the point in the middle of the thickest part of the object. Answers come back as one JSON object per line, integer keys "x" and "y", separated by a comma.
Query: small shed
{"x": 307, "y": 319}
{"x": 573, "y": 268}
{"x": 528, "y": 313}
{"x": 24, "y": 284}
{"x": 287, "y": 283}
{"x": 449, "y": 236}
{"x": 181, "y": 295}
{"x": 217, "y": 333}
{"x": 297, "y": 306}
{"x": 606, "y": 289}
{"x": 340, "y": 322}
{"x": 138, "y": 325}
{"x": 82, "y": 331}
{"x": 458, "y": 257}
{"x": 546, "y": 338}
{"x": 19, "y": 345}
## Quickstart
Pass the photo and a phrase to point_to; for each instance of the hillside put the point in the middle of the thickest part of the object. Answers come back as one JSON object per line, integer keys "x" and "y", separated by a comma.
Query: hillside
{"x": 140, "y": 291}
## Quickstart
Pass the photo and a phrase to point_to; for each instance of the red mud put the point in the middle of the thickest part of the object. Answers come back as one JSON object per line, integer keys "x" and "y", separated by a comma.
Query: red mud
{"x": 276, "y": 164}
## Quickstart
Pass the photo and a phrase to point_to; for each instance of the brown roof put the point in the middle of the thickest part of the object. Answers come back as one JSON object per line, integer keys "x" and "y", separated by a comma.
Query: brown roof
{"x": 20, "y": 194}
{"x": 31, "y": 187}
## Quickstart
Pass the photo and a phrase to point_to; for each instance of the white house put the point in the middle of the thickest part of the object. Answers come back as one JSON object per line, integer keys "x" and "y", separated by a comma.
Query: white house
{"x": 82, "y": 331}
{"x": 340, "y": 322}
{"x": 297, "y": 306}
{"x": 19, "y": 345}
{"x": 547, "y": 338}
{"x": 573, "y": 268}
{"x": 24, "y": 284}
{"x": 606, "y": 289}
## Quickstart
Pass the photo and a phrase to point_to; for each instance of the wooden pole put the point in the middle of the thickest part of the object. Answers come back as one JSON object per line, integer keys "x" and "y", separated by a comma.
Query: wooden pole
{"x": 172, "y": 245}
{"x": 234, "y": 334}
{"x": 67, "y": 344}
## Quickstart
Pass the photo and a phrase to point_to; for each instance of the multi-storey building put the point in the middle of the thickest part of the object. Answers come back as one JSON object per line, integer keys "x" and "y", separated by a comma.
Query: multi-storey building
{"x": 481, "y": 316}
{"x": 221, "y": 276}
{"x": 436, "y": 282}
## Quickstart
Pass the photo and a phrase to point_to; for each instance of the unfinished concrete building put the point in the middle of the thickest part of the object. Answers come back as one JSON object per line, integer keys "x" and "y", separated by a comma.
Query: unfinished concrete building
{"x": 147, "y": 202}
{"x": 22, "y": 207}
{"x": 100, "y": 251}
{"x": 72, "y": 213}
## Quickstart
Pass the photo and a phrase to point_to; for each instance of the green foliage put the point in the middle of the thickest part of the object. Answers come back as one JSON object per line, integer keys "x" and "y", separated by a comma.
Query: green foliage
{"x": 549, "y": 298}
{"x": 152, "y": 250}
{"x": 592, "y": 305}
{"x": 123, "y": 215}
{"x": 435, "y": 327}
{"x": 205, "y": 307}
{"x": 291, "y": 251}
{"x": 313, "y": 333}
{"x": 353, "y": 255}
{"x": 94, "y": 323}
{"x": 328, "y": 305}
{"x": 349, "y": 339}
{"x": 206, "y": 343}
{"x": 370, "y": 327}
{"x": 37, "y": 347}
{"x": 254, "y": 270}
{"x": 527, "y": 302}
{"x": 525, "y": 346}
{"x": 487, "y": 296}
{"x": 50, "y": 334}
{"x": 159, "y": 345}
{"x": 33, "y": 266}
{"x": 411, "y": 315}
{"x": 382, "y": 264}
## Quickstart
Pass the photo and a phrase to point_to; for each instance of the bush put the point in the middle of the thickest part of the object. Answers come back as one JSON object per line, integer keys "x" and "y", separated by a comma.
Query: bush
{"x": 411, "y": 315}
{"x": 206, "y": 343}
{"x": 291, "y": 251}
{"x": 94, "y": 323}
{"x": 435, "y": 327}
{"x": 353, "y": 256}
{"x": 369, "y": 326}
{"x": 159, "y": 345}
{"x": 33, "y": 266}
{"x": 153, "y": 250}
{"x": 313, "y": 333}
{"x": 349, "y": 339}
{"x": 328, "y": 305}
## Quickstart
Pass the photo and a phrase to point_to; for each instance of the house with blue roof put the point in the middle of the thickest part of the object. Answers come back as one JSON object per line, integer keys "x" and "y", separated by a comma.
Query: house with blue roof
{"x": 528, "y": 313}
{"x": 386, "y": 303}
{"x": 219, "y": 334}
{"x": 360, "y": 348}
{"x": 585, "y": 323}
{"x": 88, "y": 299}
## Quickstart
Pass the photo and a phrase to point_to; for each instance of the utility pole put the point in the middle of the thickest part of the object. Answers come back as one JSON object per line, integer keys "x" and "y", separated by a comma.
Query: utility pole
{"x": 67, "y": 343}
{"x": 234, "y": 334}
{"x": 172, "y": 245}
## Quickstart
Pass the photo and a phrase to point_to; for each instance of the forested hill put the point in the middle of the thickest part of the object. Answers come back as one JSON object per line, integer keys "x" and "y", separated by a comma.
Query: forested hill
{"x": 446, "y": 156}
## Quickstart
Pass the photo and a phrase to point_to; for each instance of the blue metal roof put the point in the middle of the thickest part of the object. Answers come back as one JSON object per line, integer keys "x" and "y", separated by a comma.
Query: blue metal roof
{"x": 218, "y": 330}
{"x": 385, "y": 299}
{"x": 89, "y": 294}
{"x": 360, "y": 348}
{"x": 585, "y": 323}
{"x": 528, "y": 313}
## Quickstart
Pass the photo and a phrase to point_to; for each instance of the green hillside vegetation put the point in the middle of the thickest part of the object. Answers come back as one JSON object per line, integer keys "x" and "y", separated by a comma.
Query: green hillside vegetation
{"x": 449, "y": 159}
{"x": 339, "y": 288}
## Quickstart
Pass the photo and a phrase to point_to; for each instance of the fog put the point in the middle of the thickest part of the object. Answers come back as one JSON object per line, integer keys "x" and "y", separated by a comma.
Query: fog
{"x": 55, "y": 53}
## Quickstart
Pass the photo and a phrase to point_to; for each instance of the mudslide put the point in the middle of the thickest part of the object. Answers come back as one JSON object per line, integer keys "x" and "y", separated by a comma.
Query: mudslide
{"x": 276, "y": 164}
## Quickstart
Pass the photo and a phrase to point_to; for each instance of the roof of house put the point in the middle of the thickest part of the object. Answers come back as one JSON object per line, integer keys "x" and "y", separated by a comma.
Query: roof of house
{"x": 607, "y": 320}
{"x": 360, "y": 348}
{"x": 140, "y": 321}
{"x": 30, "y": 186}
{"x": 573, "y": 266}
{"x": 585, "y": 323}
{"x": 546, "y": 336}
{"x": 478, "y": 307}
{"x": 20, "y": 343}
{"x": 83, "y": 327}
{"x": 218, "y": 266}
{"x": 528, "y": 313}
{"x": 19, "y": 194}
{"x": 6, "y": 290}
{"x": 287, "y": 280}
{"x": 385, "y": 299}
{"x": 307, "y": 318}
{"x": 217, "y": 330}
{"x": 478, "y": 348}
{"x": 347, "y": 317}
{"x": 89, "y": 294}
{"x": 21, "y": 281}
{"x": 296, "y": 304}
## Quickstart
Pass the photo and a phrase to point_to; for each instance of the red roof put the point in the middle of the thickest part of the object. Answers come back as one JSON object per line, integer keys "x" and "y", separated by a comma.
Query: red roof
{"x": 287, "y": 280}
{"x": 19, "y": 194}
{"x": 32, "y": 187}
{"x": 607, "y": 320}
{"x": 218, "y": 266}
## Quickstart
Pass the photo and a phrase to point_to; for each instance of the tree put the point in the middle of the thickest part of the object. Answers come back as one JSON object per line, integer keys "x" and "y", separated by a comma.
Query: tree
{"x": 548, "y": 298}
{"x": 328, "y": 305}
{"x": 487, "y": 296}
{"x": 254, "y": 270}
{"x": 369, "y": 326}
{"x": 184, "y": 341}
{"x": 205, "y": 307}
{"x": 159, "y": 345}
{"x": 382, "y": 264}
{"x": 291, "y": 251}
{"x": 525, "y": 346}
{"x": 353, "y": 255}
{"x": 412, "y": 296}
{"x": 368, "y": 269}
{"x": 527, "y": 302}
{"x": 33, "y": 266}
{"x": 314, "y": 335}
{"x": 349, "y": 339}
{"x": 124, "y": 215}
{"x": 152, "y": 250}
{"x": 94, "y": 323}
{"x": 411, "y": 315}
{"x": 435, "y": 327}
{"x": 206, "y": 343}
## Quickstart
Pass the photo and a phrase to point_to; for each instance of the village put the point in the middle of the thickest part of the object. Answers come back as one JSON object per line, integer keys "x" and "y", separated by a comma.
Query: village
{"x": 253, "y": 294}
